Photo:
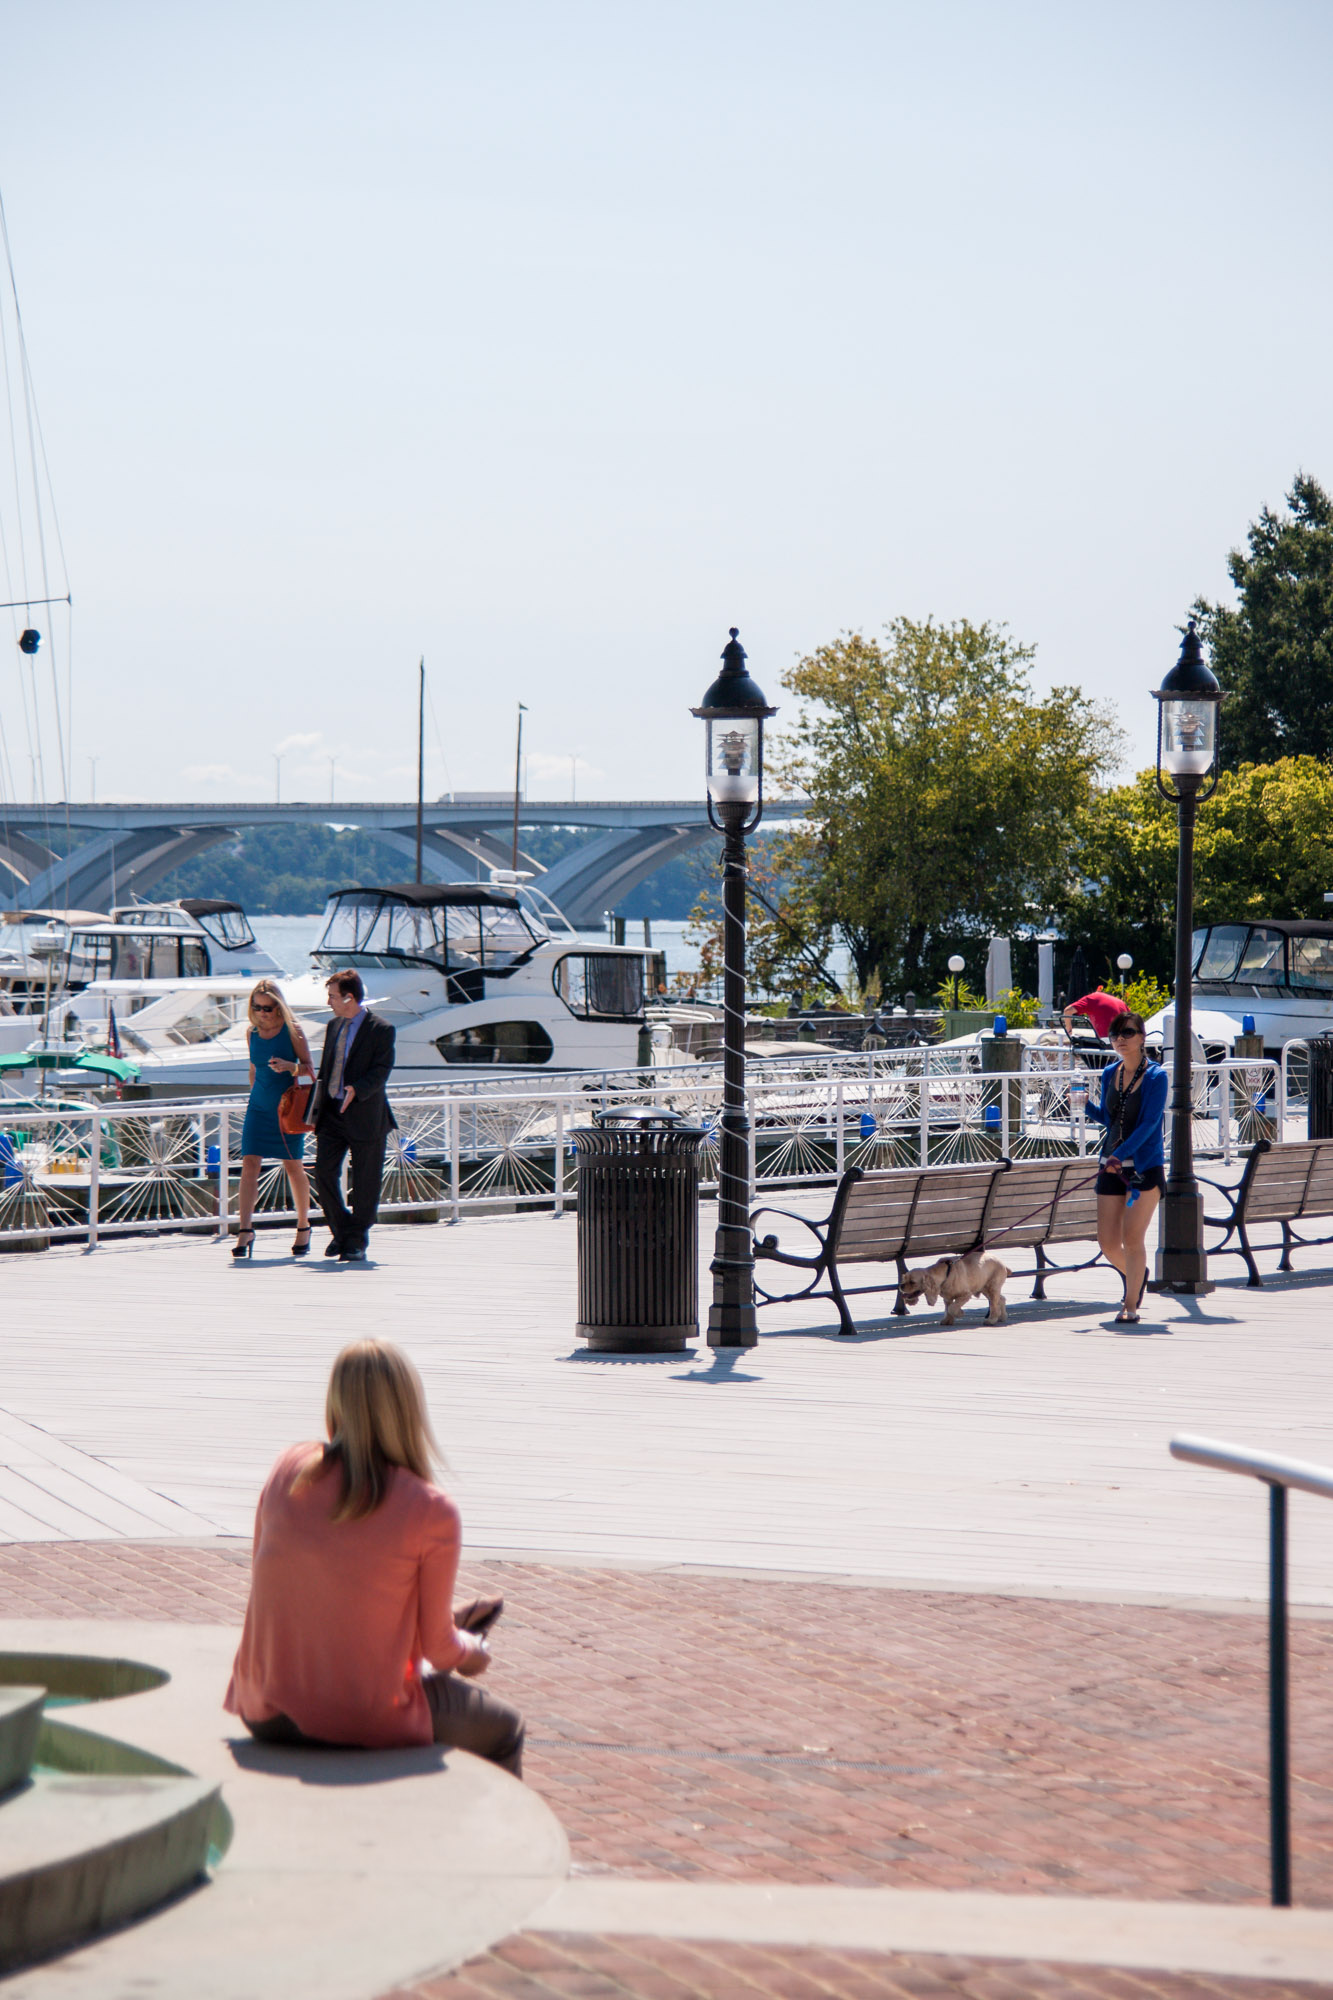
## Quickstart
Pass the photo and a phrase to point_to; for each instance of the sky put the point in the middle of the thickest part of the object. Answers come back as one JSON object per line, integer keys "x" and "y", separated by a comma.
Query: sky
{"x": 548, "y": 342}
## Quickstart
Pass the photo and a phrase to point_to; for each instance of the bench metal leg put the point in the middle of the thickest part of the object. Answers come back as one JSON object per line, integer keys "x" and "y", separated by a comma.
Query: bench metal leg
{"x": 1254, "y": 1279}
{"x": 900, "y": 1304}
{"x": 1039, "y": 1287}
{"x": 1288, "y": 1242}
{"x": 846, "y": 1324}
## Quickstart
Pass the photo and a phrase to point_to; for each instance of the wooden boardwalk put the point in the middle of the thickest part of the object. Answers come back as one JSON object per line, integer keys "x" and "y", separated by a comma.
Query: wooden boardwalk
{"x": 147, "y": 1387}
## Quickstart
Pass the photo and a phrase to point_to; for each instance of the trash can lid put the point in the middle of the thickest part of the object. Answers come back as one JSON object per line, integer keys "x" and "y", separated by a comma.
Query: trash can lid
{"x": 642, "y": 1115}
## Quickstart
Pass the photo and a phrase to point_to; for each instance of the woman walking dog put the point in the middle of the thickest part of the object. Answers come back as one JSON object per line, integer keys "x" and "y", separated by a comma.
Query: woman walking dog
{"x": 1131, "y": 1181}
{"x": 279, "y": 1055}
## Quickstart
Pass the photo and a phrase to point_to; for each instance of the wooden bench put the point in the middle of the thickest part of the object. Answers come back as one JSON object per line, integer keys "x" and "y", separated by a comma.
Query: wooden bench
{"x": 882, "y": 1218}
{"x": 1283, "y": 1184}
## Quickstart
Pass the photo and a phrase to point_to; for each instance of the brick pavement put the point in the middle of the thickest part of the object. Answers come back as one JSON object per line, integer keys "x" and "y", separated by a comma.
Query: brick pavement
{"x": 949, "y": 1741}
{"x": 560, "y": 1967}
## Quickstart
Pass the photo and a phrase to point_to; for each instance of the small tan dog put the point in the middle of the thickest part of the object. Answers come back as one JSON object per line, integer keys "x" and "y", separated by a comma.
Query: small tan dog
{"x": 956, "y": 1280}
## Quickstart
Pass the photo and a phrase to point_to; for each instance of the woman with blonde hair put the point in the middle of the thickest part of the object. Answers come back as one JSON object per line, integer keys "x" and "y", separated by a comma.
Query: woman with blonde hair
{"x": 350, "y": 1634}
{"x": 279, "y": 1055}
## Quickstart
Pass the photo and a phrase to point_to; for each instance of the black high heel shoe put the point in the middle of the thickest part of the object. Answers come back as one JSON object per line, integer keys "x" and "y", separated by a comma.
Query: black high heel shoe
{"x": 300, "y": 1249}
{"x": 244, "y": 1244}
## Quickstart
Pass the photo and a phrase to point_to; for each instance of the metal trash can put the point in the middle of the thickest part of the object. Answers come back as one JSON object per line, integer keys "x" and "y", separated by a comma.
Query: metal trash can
{"x": 1319, "y": 1114}
{"x": 638, "y": 1203}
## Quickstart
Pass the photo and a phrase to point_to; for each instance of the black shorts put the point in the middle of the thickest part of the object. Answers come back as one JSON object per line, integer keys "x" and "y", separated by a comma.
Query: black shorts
{"x": 1149, "y": 1177}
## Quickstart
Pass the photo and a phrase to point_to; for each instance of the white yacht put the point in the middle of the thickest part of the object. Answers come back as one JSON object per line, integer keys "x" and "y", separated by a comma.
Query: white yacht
{"x": 229, "y": 937}
{"x": 475, "y": 978}
{"x": 1278, "y": 970}
{"x": 142, "y": 942}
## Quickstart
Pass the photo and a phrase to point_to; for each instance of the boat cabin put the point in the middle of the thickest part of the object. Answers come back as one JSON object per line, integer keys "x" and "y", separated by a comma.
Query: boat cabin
{"x": 1262, "y": 959}
{"x": 225, "y": 923}
{"x": 467, "y": 931}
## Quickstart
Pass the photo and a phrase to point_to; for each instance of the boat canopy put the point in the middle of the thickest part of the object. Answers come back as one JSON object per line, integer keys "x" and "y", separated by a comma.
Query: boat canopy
{"x": 1289, "y": 955}
{"x": 450, "y": 925}
{"x": 224, "y": 922}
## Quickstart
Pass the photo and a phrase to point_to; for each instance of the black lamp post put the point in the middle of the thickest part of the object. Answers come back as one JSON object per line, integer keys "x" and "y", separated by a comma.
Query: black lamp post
{"x": 734, "y": 711}
{"x": 1187, "y": 705}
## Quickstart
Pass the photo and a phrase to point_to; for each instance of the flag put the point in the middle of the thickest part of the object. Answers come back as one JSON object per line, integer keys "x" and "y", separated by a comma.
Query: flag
{"x": 113, "y": 1047}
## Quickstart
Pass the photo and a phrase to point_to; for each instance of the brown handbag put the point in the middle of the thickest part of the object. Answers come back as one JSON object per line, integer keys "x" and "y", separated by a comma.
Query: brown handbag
{"x": 294, "y": 1104}
{"x": 292, "y": 1108}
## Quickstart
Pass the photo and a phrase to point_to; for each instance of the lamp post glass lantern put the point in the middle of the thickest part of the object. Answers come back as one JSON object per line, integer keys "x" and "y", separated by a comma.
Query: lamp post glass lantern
{"x": 1187, "y": 749}
{"x": 733, "y": 712}
{"x": 956, "y": 965}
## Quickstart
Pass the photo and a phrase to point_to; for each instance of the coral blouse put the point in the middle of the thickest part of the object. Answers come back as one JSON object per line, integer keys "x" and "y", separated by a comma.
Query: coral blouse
{"x": 342, "y": 1613}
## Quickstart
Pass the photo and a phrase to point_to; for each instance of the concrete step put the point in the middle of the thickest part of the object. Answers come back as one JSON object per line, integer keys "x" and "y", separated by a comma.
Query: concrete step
{"x": 81, "y": 1853}
{"x": 20, "y": 1720}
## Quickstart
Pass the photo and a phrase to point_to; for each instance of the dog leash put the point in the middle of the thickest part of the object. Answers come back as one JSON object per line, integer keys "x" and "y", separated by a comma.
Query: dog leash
{"x": 1041, "y": 1209}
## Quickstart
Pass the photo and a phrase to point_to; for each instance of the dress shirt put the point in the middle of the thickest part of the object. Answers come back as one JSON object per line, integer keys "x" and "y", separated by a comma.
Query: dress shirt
{"x": 347, "y": 1029}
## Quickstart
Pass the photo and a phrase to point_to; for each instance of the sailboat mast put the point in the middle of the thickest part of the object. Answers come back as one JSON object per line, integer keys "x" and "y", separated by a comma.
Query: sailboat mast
{"x": 518, "y": 769}
{"x": 421, "y": 764}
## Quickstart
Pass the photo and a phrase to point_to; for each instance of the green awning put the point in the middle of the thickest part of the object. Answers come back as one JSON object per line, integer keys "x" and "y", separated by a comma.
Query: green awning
{"x": 54, "y": 1059}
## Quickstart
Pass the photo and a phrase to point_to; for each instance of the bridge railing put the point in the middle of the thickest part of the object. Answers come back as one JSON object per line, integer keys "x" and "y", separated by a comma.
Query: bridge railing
{"x": 72, "y": 1174}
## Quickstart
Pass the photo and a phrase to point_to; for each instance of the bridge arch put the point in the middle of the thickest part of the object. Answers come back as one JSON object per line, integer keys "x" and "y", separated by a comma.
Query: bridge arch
{"x": 124, "y": 848}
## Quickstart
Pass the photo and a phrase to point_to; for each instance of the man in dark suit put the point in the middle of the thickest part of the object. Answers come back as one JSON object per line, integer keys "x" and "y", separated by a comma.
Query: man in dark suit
{"x": 351, "y": 1114}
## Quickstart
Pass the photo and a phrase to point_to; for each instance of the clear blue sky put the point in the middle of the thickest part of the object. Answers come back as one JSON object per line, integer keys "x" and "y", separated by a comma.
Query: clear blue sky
{"x": 551, "y": 340}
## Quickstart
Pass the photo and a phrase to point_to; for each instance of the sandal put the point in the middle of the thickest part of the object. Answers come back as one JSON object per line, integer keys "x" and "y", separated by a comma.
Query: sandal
{"x": 300, "y": 1249}
{"x": 245, "y": 1243}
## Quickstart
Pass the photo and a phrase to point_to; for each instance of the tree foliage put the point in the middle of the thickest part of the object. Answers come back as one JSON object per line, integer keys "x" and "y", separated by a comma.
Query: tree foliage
{"x": 944, "y": 796}
{"x": 1273, "y": 652}
{"x": 1263, "y": 848}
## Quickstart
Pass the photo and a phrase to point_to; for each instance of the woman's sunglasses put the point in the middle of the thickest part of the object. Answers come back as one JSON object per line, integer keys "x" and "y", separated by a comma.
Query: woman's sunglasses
{"x": 1124, "y": 1034}
{"x": 264, "y": 1007}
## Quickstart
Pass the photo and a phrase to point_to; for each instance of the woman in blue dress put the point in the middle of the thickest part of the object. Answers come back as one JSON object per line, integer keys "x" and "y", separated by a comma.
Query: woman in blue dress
{"x": 279, "y": 1054}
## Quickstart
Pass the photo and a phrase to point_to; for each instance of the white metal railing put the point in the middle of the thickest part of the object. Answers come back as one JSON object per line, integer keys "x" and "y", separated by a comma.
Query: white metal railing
{"x": 89, "y": 1172}
{"x": 1279, "y": 1475}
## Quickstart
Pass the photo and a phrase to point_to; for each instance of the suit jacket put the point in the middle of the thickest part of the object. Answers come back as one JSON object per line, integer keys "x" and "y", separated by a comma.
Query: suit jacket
{"x": 367, "y": 1070}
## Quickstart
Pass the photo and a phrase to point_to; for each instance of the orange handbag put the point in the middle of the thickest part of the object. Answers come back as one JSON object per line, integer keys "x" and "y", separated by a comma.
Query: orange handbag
{"x": 292, "y": 1107}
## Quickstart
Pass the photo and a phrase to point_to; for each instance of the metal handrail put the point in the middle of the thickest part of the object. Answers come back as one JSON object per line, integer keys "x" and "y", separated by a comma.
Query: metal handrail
{"x": 1278, "y": 1474}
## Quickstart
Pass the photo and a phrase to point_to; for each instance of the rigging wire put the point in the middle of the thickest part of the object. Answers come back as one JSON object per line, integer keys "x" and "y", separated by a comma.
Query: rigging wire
{"x": 39, "y": 472}
{"x": 439, "y": 740}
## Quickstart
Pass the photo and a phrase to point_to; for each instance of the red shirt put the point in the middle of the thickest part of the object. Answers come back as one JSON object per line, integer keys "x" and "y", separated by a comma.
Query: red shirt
{"x": 342, "y": 1613}
{"x": 1100, "y": 1008}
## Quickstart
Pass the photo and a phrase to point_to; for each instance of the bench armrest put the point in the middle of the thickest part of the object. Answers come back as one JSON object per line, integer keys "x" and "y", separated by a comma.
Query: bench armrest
{"x": 767, "y": 1246}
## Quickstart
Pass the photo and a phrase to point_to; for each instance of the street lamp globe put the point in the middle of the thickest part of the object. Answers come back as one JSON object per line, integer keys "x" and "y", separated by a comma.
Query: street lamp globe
{"x": 1124, "y": 962}
{"x": 957, "y": 964}
{"x": 1187, "y": 704}
{"x": 734, "y": 711}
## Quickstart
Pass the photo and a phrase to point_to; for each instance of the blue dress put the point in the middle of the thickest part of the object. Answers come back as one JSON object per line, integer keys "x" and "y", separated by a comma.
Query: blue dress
{"x": 261, "y": 1132}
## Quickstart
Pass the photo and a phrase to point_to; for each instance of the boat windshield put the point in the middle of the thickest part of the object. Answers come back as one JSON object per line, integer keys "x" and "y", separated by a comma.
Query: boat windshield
{"x": 1221, "y": 954}
{"x": 1312, "y": 964}
{"x": 365, "y": 925}
{"x": 229, "y": 928}
{"x": 1263, "y": 962}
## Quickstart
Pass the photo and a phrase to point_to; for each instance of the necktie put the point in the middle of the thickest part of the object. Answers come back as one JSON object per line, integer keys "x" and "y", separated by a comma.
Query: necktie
{"x": 339, "y": 1058}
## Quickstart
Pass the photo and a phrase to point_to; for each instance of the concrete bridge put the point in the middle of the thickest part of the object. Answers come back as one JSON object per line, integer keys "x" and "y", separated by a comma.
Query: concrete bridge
{"x": 123, "y": 850}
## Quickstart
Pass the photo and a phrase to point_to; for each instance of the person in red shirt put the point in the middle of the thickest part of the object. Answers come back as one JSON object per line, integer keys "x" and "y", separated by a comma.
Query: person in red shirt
{"x": 1099, "y": 1008}
{"x": 350, "y": 1633}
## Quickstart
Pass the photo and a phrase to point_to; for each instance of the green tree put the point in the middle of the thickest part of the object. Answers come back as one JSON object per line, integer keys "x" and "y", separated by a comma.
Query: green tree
{"x": 944, "y": 797}
{"x": 783, "y": 954}
{"x": 1273, "y": 652}
{"x": 1263, "y": 848}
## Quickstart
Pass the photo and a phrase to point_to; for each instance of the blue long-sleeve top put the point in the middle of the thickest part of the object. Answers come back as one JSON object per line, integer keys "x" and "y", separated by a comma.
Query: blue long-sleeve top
{"x": 1141, "y": 1146}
